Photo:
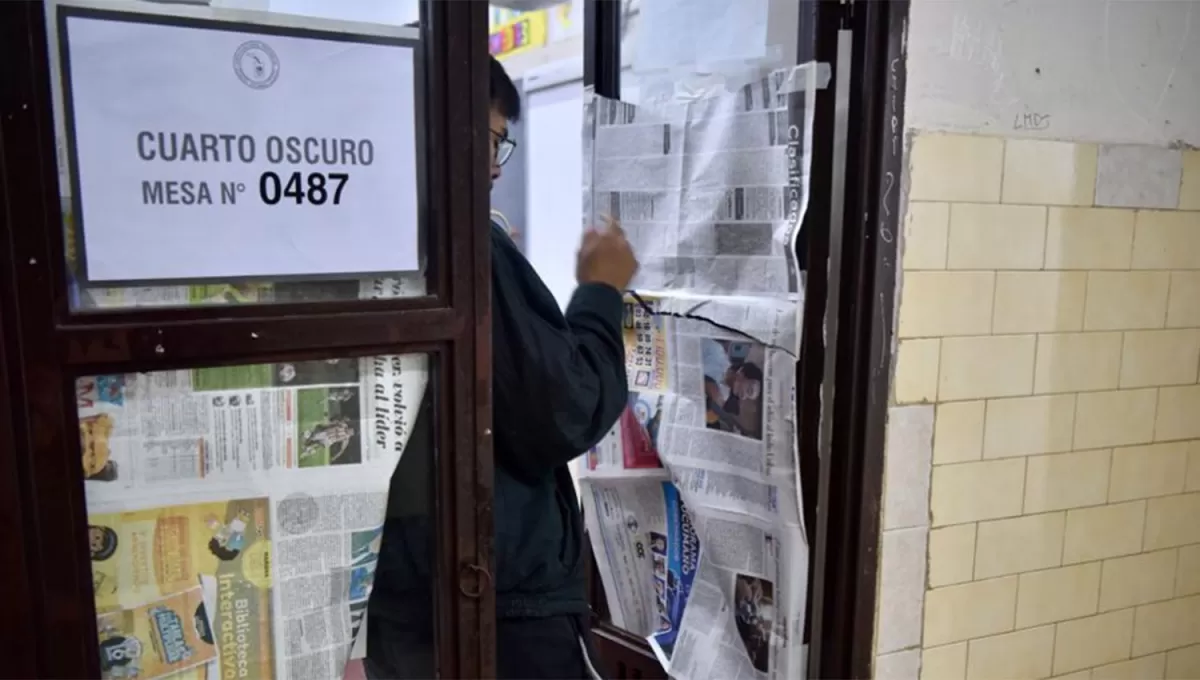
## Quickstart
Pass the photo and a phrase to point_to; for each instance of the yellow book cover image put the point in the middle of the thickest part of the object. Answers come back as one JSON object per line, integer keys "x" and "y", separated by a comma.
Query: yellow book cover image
{"x": 142, "y": 556}
{"x": 156, "y": 639}
{"x": 645, "y": 345}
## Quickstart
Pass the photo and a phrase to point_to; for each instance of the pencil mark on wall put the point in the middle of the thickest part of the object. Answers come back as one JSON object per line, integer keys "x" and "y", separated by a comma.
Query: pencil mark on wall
{"x": 1175, "y": 61}
{"x": 1187, "y": 33}
{"x": 974, "y": 42}
{"x": 1031, "y": 121}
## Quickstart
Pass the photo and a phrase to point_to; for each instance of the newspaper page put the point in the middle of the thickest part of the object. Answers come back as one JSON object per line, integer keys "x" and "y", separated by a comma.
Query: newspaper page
{"x": 710, "y": 191}
{"x": 692, "y": 501}
{"x": 248, "y": 293}
{"x": 236, "y": 513}
{"x": 700, "y": 469}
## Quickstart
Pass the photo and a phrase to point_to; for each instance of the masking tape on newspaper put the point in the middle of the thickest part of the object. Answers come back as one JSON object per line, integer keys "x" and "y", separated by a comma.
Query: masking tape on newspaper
{"x": 677, "y": 87}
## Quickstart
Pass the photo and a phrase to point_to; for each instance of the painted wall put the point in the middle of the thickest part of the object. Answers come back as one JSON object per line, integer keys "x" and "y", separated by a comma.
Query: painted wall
{"x": 1080, "y": 70}
{"x": 1042, "y": 480}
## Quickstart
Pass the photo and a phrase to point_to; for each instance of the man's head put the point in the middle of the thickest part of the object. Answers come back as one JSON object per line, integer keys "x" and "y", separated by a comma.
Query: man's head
{"x": 745, "y": 381}
{"x": 505, "y": 108}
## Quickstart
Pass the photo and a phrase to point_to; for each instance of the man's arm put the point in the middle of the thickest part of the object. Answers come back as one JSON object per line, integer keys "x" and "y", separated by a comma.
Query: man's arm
{"x": 557, "y": 390}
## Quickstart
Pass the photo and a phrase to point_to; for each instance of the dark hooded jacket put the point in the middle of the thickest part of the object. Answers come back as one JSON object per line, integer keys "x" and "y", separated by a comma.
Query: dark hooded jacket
{"x": 558, "y": 387}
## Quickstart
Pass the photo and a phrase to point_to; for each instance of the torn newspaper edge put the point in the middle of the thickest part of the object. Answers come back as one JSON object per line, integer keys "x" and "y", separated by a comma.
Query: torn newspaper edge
{"x": 693, "y": 501}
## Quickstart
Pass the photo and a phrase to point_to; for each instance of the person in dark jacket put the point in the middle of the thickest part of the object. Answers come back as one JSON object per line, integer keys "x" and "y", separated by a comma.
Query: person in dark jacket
{"x": 558, "y": 386}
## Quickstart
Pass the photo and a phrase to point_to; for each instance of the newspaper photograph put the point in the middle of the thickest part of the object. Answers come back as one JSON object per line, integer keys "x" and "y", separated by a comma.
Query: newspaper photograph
{"x": 692, "y": 501}
{"x": 235, "y": 514}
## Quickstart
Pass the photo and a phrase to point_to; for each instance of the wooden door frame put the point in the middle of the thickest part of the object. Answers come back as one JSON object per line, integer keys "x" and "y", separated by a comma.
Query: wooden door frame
{"x": 848, "y": 247}
{"x": 19, "y": 626}
{"x": 47, "y": 346}
{"x": 864, "y": 254}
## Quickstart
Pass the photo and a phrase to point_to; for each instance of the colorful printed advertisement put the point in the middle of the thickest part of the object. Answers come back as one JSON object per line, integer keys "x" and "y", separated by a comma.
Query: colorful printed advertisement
{"x": 156, "y": 639}
{"x": 140, "y": 558}
{"x": 675, "y": 568}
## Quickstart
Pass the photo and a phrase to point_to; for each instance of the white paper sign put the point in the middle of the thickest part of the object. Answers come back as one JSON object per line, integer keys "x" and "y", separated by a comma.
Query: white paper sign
{"x": 203, "y": 152}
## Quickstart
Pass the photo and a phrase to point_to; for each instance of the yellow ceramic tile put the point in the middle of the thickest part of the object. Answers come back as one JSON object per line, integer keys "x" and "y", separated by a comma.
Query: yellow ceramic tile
{"x": 1193, "y": 469}
{"x": 969, "y": 492}
{"x": 956, "y": 168}
{"x": 1187, "y": 576}
{"x": 1137, "y": 579}
{"x": 1023, "y": 654}
{"x": 1160, "y": 358}
{"x": 1178, "y": 413}
{"x": 1183, "y": 306}
{"x": 1011, "y": 546}
{"x": 1189, "y": 192}
{"x": 1089, "y": 238}
{"x": 1049, "y": 173}
{"x": 970, "y": 610}
{"x": 926, "y": 228}
{"x": 951, "y": 555}
{"x": 1029, "y": 425}
{"x": 1077, "y": 362}
{"x": 1184, "y": 664}
{"x": 1143, "y": 668}
{"x": 916, "y": 371}
{"x": 948, "y": 662}
{"x": 1166, "y": 625}
{"x": 958, "y": 432}
{"x": 1057, "y": 594}
{"x": 1172, "y": 521}
{"x": 1078, "y": 675}
{"x": 1120, "y": 418}
{"x": 1147, "y": 471}
{"x": 934, "y": 304}
{"x": 982, "y": 367}
{"x": 1166, "y": 239}
{"x": 1125, "y": 300}
{"x": 989, "y": 236}
{"x": 1066, "y": 480}
{"x": 1104, "y": 531}
{"x": 1093, "y": 641}
{"x": 1039, "y": 302}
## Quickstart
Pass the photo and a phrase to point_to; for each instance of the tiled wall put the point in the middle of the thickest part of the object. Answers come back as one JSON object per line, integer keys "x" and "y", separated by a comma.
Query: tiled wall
{"x": 1042, "y": 484}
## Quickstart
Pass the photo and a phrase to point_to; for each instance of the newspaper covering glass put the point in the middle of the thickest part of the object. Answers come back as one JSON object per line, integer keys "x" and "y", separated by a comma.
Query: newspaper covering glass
{"x": 235, "y": 514}
{"x": 692, "y": 501}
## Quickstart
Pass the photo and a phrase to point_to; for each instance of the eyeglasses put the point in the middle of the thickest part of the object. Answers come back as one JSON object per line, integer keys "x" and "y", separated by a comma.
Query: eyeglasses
{"x": 502, "y": 147}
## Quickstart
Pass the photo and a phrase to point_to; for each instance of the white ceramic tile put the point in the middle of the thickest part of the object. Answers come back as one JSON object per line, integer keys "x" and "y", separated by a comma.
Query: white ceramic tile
{"x": 904, "y": 665}
{"x": 1135, "y": 176}
{"x": 901, "y": 589}
{"x": 907, "y": 466}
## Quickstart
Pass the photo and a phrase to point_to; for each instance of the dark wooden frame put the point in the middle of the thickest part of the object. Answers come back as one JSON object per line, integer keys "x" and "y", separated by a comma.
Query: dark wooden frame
{"x": 18, "y": 628}
{"x": 45, "y": 348}
{"x": 863, "y": 257}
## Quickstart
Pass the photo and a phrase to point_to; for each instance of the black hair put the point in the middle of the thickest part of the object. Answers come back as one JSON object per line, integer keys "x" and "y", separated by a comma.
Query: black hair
{"x": 108, "y": 473}
{"x": 503, "y": 92}
{"x": 221, "y": 552}
{"x": 751, "y": 371}
{"x": 110, "y": 543}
